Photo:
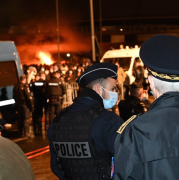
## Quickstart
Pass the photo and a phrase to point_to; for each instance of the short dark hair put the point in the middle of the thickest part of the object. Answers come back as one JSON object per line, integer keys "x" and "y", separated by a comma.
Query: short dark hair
{"x": 101, "y": 81}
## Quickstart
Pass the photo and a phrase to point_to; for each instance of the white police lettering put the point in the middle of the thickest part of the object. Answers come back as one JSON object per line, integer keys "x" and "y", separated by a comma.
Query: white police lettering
{"x": 53, "y": 84}
{"x": 72, "y": 149}
{"x": 39, "y": 83}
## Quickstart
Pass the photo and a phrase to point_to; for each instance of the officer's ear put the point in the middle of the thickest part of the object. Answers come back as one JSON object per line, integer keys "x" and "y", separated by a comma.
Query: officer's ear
{"x": 97, "y": 88}
{"x": 152, "y": 86}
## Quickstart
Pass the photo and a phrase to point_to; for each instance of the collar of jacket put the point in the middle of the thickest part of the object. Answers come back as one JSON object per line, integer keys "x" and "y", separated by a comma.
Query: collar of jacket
{"x": 87, "y": 92}
{"x": 167, "y": 99}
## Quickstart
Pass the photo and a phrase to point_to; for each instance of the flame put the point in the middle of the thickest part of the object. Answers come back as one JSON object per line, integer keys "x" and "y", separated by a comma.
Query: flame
{"x": 45, "y": 58}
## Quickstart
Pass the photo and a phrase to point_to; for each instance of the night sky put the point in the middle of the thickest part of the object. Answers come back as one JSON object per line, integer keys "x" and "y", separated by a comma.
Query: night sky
{"x": 42, "y": 13}
{"x": 21, "y": 12}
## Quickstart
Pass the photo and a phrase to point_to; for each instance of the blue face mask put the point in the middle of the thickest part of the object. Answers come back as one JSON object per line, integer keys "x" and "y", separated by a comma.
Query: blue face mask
{"x": 113, "y": 97}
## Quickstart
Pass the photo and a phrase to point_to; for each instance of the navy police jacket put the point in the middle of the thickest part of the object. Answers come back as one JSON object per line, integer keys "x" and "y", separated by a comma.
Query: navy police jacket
{"x": 148, "y": 147}
{"x": 104, "y": 129}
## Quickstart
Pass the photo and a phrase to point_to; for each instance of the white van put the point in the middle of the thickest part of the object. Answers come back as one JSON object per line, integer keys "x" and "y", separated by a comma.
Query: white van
{"x": 126, "y": 57}
{"x": 10, "y": 71}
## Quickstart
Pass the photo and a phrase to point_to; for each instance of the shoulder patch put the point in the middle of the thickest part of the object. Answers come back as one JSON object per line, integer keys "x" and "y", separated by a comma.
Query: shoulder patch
{"x": 123, "y": 126}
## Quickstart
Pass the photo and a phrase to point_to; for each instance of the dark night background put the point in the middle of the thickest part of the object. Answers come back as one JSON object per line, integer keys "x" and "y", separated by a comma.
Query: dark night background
{"x": 16, "y": 12}
{"x": 74, "y": 14}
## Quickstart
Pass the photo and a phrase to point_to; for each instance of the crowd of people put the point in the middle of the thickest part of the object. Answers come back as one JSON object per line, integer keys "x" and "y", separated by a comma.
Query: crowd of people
{"x": 87, "y": 141}
{"x": 42, "y": 87}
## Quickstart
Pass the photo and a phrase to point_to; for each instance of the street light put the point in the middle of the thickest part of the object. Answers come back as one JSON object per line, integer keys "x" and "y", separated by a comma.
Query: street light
{"x": 92, "y": 31}
{"x": 68, "y": 54}
{"x": 58, "y": 37}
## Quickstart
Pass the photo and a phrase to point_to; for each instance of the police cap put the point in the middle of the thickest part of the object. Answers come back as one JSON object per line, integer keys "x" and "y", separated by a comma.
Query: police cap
{"x": 97, "y": 71}
{"x": 161, "y": 56}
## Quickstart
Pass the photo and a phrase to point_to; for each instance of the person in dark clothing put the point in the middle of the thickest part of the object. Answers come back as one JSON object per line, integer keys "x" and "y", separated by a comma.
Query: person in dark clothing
{"x": 40, "y": 101}
{"x": 146, "y": 147}
{"x": 23, "y": 99}
{"x": 133, "y": 104}
{"x": 141, "y": 75}
{"x": 55, "y": 92}
{"x": 82, "y": 136}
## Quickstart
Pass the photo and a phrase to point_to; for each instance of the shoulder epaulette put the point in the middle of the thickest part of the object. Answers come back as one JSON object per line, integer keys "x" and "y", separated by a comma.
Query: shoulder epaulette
{"x": 123, "y": 126}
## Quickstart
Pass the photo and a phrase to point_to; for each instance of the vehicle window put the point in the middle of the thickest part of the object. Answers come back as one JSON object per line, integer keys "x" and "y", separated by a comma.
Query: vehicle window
{"x": 124, "y": 62}
{"x": 8, "y": 73}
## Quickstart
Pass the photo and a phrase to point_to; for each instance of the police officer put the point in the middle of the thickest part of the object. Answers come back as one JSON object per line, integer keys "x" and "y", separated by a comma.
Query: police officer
{"x": 40, "y": 100}
{"x": 133, "y": 104}
{"x": 55, "y": 91}
{"x": 147, "y": 145}
{"x": 82, "y": 136}
{"x": 24, "y": 105}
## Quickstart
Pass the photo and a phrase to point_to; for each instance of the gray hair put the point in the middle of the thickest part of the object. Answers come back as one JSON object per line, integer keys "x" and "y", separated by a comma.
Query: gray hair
{"x": 101, "y": 81}
{"x": 164, "y": 86}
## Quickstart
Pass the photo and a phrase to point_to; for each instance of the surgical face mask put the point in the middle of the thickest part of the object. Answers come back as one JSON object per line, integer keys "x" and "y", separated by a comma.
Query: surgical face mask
{"x": 113, "y": 97}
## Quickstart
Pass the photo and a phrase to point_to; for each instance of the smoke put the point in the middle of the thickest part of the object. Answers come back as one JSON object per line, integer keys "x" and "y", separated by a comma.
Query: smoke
{"x": 71, "y": 41}
{"x": 36, "y": 22}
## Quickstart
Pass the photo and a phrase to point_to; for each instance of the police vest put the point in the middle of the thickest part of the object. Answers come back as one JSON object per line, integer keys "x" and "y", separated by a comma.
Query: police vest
{"x": 78, "y": 158}
{"x": 55, "y": 87}
{"x": 39, "y": 89}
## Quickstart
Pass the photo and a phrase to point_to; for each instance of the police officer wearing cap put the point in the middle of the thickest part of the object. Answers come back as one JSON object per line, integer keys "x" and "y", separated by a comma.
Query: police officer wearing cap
{"x": 132, "y": 105}
{"x": 82, "y": 136}
{"x": 147, "y": 147}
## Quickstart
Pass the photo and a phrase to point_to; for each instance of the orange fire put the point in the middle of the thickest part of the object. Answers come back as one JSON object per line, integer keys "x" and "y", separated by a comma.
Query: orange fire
{"x": 45, "y": 58}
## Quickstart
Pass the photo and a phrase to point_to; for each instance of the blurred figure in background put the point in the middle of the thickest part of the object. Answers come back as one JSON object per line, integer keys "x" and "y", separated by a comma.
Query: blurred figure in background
{"x": 132, "y": 105}
{"x": 24, "y": 105}
{"x": 40, "y": 100}
{"x": 47, "y": 74}
{"x": 31, "y": 72}
{"x": 55, "y": 92}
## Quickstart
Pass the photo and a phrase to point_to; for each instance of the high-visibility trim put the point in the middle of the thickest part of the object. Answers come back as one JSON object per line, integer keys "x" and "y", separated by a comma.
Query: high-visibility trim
{"x": 7, "y": 102}
{"x": 53, "y": 84}
{"x": 39, "y": 83}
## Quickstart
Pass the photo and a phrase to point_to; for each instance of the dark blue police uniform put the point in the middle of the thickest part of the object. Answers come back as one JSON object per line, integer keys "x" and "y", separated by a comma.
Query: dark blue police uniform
{"x": 103, "y": 132}
{"x": 82, "y": 137}
{"x": 147, "y": 147}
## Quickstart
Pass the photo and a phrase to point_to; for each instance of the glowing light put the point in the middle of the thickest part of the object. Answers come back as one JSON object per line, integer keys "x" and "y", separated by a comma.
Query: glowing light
{"x": 45, "y": 58}
{"x": 68, "y": 55}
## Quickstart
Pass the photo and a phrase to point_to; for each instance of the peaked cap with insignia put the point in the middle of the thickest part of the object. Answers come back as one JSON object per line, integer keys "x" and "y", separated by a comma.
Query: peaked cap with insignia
{"x": 97, "y": 71}
{"x": 161, "y": 56}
